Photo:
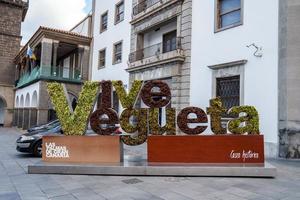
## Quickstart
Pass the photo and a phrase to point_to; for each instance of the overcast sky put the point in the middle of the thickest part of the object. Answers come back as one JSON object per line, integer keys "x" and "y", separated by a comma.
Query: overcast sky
{"x": 61, "y": 14}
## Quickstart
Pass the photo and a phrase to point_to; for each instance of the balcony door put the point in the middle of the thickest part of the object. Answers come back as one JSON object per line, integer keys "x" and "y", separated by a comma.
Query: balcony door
{"x": 66, "y": 68}
{"x": 169, "y": 41}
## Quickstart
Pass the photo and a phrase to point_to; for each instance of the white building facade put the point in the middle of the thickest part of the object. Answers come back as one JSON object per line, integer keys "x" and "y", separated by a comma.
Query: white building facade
{"x": 240, "y": 50}
{"x": 226, "y": 62}
{"x": 111, "y": 40}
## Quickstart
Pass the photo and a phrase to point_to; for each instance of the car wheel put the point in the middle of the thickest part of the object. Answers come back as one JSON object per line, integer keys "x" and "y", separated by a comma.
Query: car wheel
{"x": 37, "y": 151}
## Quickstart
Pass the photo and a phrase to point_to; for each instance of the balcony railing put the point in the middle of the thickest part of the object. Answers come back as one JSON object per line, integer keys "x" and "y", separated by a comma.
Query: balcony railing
{"x": 143, "y": 5}
{"x": 154, "y": 50}
{"x": 49, "y": 73}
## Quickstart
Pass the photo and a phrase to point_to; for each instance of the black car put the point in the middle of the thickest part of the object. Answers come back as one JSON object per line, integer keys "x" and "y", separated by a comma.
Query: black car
{"x": 31, "y": 142}
{"x": 44, "y": 126}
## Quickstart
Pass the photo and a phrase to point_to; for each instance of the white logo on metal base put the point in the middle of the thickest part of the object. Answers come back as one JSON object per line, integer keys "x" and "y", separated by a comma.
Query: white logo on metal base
{"x": 244, "y": 155}
{"x": 53, "y": 151}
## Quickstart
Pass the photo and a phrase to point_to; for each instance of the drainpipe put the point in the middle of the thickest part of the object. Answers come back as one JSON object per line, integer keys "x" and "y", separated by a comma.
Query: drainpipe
{"x": 92, "y": 42}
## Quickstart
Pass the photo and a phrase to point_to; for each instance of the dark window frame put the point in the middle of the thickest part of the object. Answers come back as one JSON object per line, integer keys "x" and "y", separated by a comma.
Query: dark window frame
{"x": 218, "y": 16}
{"x": 119, "y": 16}
{"x": 102, "y": 28}
{"x": 102, "y": 59}
{"x": 115, "y": 53}
{"x": 165, "y": 46}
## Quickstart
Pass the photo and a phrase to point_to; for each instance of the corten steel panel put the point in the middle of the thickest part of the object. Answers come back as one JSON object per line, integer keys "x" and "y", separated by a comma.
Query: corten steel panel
{"x": 86, "y": 149}
{"x": 205, "y": 149}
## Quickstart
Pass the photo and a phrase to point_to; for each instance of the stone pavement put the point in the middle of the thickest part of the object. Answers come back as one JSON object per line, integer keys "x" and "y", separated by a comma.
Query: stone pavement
{"x": 16, "y": 184}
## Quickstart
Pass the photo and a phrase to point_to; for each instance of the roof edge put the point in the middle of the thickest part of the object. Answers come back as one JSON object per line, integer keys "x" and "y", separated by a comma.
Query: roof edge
{"x": 42, "y": 30}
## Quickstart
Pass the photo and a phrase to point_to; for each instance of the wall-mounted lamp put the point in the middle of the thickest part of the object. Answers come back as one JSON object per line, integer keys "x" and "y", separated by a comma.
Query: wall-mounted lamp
{"x": 258, "y": 52}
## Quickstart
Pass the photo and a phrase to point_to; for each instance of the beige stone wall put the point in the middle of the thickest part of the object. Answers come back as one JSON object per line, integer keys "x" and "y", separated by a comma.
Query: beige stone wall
{"x": 180, "y": 78}
{"x": 289, "y": 81}
{"x": 10, "y": 30}
{"x": 7, "y": 94}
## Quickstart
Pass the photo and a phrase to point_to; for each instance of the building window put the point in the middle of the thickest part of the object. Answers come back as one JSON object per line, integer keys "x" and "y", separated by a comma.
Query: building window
{"x": 117, "y": 54}
{"x": 104, "y": 22}
{"x": 119, "y": 13}
{"x": 169, "y": 42}
{"x": 102, "y": 55}
{"x": 228, "y": 14}
{"x": 228, "y": 89}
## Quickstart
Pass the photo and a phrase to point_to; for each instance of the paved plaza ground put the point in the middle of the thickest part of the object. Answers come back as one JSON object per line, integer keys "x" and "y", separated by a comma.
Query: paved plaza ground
{"x": 16, "y": 184}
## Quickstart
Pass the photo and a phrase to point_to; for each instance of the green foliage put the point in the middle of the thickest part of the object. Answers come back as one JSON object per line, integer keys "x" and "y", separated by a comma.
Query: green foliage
{"x": 251, "y": 121}
{"x": 140, "y": 127}
{"x": 169, "y": 128}
{"x": 164, "y": 92}
{"x": 184, "y": 121}
{"x": 216, "y": 110}
{"x": 153, "y": 122}
{"x": 128, "y": 101}
{"x": 73, "y": 123}
{"x": 97, "y": 120}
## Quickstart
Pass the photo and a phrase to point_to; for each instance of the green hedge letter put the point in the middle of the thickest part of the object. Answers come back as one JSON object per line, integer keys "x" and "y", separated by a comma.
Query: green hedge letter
{"x": 73, "y": 122}
{"x": 139, "y": 127}
{"x": 128, "y": 100}
{"x": 251, "y": 120}
{"x": 216, "y": 111}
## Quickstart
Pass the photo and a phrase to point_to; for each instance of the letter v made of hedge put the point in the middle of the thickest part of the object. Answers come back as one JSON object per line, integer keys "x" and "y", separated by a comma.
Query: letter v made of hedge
{"x": 73, "y": 122}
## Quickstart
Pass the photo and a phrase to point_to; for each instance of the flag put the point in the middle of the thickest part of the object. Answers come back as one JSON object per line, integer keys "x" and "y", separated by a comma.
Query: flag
{"x": 33, "y": 57}
{"x": 30, "y": 53}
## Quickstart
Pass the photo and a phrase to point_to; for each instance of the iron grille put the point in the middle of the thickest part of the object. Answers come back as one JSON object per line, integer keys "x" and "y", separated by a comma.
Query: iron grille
{"x": 228, "y": 89}
{"x": 143, "y": 5}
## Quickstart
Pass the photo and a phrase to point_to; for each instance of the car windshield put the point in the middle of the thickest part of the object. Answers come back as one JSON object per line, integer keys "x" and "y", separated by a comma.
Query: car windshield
{"x": 54, "y": 125}
{"x": 56, "y": 129}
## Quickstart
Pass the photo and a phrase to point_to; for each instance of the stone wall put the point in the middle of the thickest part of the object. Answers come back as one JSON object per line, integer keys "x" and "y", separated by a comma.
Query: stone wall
{"x": 178, "y": 72}
{"x": 7, "y": 94}
{"x": 186, "y": 34}
{"x": 10, "y": 29}
{"x": 289, "y": 81}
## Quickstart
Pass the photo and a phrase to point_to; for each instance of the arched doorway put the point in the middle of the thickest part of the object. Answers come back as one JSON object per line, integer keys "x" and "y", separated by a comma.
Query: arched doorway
{"x": 2, "y": 111}
{"x": 17, "y": 102}
{"x": 33, "y": 109}
{"x": 22, "y": 102}
{"x": 34, "y": 100}
{"x": 27, "y": 100}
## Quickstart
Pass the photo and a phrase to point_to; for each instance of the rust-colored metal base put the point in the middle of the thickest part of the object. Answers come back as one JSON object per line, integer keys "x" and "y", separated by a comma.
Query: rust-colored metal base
{"x": 82, "y": 149}
{"x": 227, "y": 149}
